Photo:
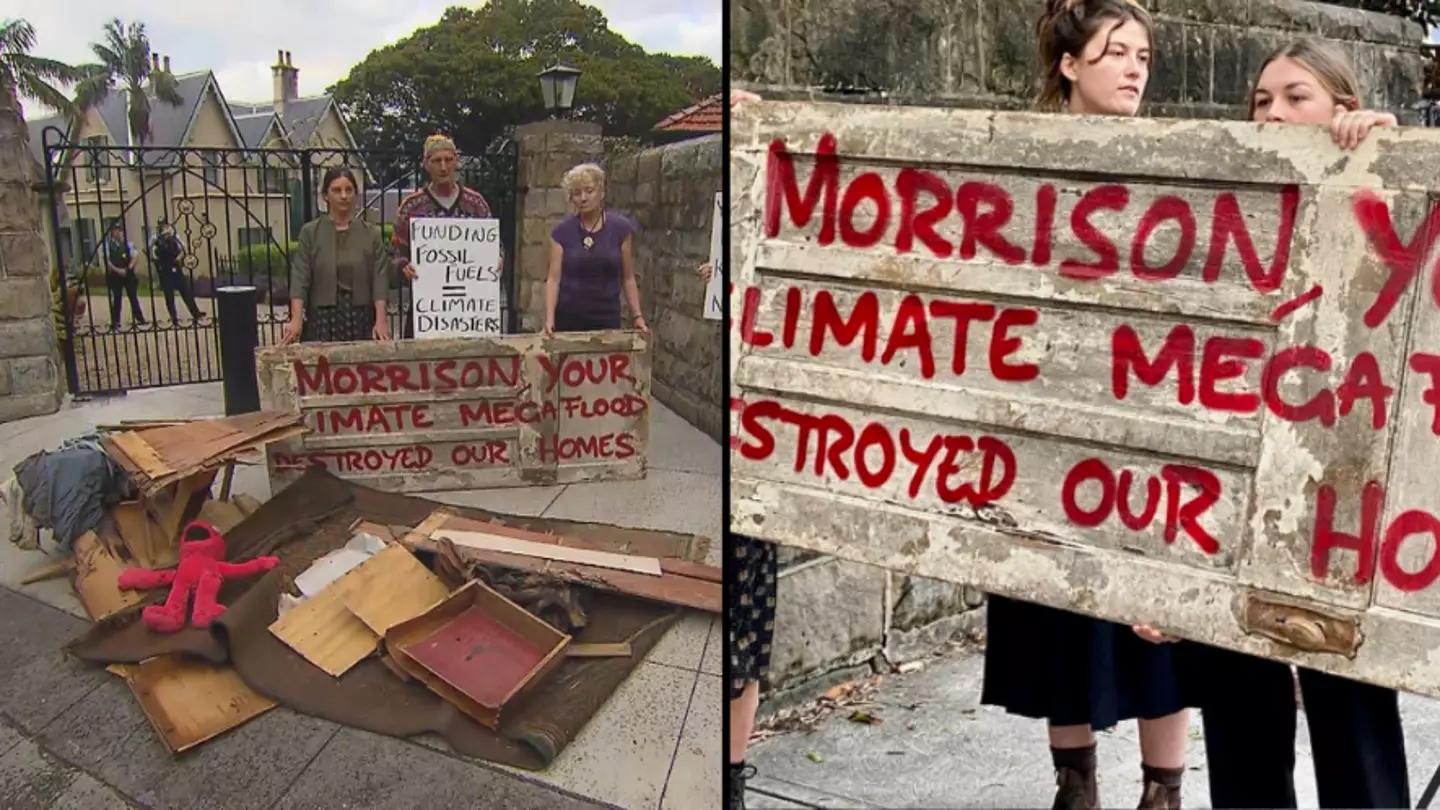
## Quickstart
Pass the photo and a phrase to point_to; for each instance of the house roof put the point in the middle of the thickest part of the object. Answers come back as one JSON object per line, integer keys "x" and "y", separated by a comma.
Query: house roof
{"x": 253, "y": 128}
{"x": 706, "y": 116}
{"x": 301, "y": 117}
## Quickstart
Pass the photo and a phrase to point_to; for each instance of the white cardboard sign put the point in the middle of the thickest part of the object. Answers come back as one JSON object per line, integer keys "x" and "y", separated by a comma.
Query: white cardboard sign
{"x": 457, "y": 290}
{"x": 714, "y": 303}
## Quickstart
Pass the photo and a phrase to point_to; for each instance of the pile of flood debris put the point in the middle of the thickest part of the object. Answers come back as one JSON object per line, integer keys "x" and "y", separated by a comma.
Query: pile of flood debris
{"x": 385, "y": 612}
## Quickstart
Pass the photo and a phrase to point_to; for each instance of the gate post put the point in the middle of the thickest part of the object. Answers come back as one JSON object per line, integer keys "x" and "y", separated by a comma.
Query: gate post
{"x": 239, "y": 328}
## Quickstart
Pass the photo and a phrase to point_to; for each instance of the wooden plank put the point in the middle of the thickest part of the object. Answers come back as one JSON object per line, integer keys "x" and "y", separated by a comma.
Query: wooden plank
{"x": 493, "y": 541}
{"x": 421, "y": 533}
{"x": 670, "y": 589}
{"x": 672, "y": 565}
{"x": 139, "y": 451}
{"x": 619, "y": 649}
{"x": 392, "y": 587}
{"x": 692, "y": 569}
{"x": 189, "y": 701}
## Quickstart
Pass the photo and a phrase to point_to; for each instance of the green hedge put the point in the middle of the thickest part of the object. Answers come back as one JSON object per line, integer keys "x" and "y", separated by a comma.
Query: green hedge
{"x": 263, "y": 260}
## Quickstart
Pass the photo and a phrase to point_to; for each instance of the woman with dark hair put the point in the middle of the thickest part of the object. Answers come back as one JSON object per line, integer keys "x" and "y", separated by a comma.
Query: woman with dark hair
{"x": 339, "y": 271}
{"x": 1077, "y": 673}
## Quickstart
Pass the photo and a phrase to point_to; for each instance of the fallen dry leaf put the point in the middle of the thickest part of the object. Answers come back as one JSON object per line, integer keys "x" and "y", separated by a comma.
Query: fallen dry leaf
{"x": 866, "y": 718}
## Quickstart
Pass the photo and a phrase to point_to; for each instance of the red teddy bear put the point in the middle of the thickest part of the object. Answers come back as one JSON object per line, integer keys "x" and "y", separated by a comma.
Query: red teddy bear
{"x": 202, "y": 569}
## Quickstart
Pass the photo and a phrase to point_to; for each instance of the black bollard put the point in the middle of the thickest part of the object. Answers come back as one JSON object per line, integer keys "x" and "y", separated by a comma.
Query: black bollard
{"x": 239, "y": 328}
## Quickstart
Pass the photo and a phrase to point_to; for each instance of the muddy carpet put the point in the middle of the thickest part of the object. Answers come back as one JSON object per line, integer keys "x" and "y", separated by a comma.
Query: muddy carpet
{"x": 312, "y": 517}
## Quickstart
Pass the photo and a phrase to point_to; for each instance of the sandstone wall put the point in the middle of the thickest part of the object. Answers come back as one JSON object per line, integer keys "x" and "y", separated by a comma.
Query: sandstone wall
{"x": 837, "y": 618}
{"x": 30, "y": 381}
{"x": 670, "y": 191}
{"x": 980, "y": 53}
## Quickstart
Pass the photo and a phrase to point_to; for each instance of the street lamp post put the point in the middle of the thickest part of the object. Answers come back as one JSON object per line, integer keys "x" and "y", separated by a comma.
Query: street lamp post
{"x": 557, "y": 88}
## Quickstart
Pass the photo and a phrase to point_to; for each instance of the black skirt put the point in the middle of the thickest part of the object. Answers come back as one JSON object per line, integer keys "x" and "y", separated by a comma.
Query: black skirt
{"x": 751, "y": 570}
{"x": 1072, "y": 670}
{"x": 342, "y": 323}
{"x": 567, "y": 322}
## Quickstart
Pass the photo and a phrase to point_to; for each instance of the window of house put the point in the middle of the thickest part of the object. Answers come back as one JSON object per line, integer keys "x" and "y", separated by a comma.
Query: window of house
{"x": 272, "y": 181}
{"x": 211, "y": 170}
{"x": 97, "y": 163}
{"x": 247, "y": 238}
{"x": 85, "y": 239}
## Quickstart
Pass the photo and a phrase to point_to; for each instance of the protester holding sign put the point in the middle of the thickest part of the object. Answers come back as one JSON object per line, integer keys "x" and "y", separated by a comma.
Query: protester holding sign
{"x": 751, "y": 573}
{"x": 1248, "y": 703}
{"x": 592, "y": 261}
{"x": 1077, "y": 673}
{"x": 339, "y": 272}
{"x": 443, "y": 197}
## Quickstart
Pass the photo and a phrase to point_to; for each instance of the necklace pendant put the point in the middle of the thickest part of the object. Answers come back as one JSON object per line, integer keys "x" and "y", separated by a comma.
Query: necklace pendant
{"x": 588, "y": 242}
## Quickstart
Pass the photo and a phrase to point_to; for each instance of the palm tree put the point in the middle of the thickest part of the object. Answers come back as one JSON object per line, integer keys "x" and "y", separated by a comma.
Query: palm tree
{"x": 28, "y": 76}
{"x": 125, "y": 62}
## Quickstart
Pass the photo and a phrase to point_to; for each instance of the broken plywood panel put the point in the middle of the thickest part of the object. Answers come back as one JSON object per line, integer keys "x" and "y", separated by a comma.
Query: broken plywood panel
{"x": 392, "y": 587}
{"x": 189, "y": 701}
{"x": 158, "y": 457}
{"x": 327, "y": 634}
{"x": 97, "y": 573}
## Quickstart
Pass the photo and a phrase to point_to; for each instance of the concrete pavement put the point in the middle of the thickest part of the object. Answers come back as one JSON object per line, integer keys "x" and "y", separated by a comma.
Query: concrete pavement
{"x": 936, "y": 747}
{"x": 73, "y": 737}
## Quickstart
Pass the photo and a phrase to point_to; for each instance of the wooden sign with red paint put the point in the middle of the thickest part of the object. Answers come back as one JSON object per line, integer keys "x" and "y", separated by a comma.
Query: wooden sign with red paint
{"x": 1178, "y": 373}
{"x": 468, "y": 413}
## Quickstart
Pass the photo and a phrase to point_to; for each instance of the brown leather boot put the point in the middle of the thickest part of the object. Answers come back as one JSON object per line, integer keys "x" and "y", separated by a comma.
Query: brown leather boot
{"x": 1162, "y": 788}
{"x": 1076, "y": 790}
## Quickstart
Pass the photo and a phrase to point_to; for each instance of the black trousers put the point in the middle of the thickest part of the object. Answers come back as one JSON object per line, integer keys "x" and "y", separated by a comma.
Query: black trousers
{"x": 1248, "y": 708}
{"x": 172, "y": 280}
{"x": 119, "y": 287}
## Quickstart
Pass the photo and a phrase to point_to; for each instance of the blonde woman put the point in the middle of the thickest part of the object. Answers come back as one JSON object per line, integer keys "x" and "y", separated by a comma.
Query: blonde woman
{"x": 592, "y": 261}
{"x": 1247, "y": 703}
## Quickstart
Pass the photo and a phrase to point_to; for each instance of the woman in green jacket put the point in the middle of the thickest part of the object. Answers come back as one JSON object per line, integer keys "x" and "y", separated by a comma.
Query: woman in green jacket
{"x": 339, "y": 272}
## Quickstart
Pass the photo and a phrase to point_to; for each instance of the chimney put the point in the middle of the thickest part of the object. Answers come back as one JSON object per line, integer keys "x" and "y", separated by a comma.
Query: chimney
{"x": 167, "y": 63}
{"x": 286, "y": 81}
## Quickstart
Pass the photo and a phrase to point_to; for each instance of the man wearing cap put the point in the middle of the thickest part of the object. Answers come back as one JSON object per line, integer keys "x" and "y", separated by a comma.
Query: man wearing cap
{"x": 120, "y": 279}
{"x": 442, "y": 197}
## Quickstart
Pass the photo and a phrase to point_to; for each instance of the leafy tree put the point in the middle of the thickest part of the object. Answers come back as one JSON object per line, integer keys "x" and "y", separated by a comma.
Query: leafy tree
{"x": 125, "y": 60}
{"x": 23, "y": 75}
{"x": 473, "y": 75}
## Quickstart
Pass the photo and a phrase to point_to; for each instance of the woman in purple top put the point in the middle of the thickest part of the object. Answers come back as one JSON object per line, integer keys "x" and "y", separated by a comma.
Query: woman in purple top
{"x": 592, "y": 260}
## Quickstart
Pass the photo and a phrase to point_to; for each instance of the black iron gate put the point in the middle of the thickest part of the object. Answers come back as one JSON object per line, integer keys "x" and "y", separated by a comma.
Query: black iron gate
{"x": 236, "y": 213}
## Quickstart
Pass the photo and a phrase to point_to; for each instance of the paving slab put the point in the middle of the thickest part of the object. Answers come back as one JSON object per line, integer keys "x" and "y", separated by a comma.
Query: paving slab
{"x": 37, "y": 681}
{"x": 360, "y": 770}
{"x": 938, "y": 748}
{"x": 698, "y": 757}
{"x": 33, "y": 779}
{"x": 248, "y": 767}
